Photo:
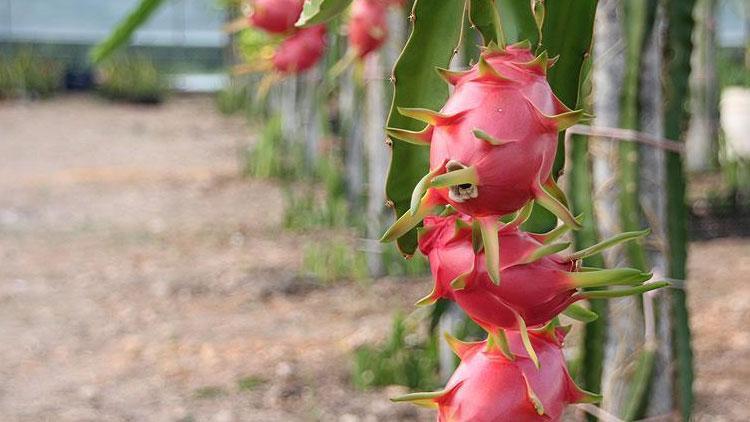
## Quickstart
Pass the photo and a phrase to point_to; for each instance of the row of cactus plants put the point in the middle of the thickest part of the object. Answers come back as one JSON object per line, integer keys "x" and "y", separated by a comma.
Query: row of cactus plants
{"x": 472, "y": 176}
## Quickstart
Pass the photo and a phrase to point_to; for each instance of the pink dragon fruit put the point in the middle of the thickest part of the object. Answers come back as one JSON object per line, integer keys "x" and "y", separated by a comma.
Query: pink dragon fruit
{"x": 275, "y": 16}
{"x": 367, "y": 27}
{"x": 498, "y": 381}
{"x": 493, "y": 144}
{"x": 537, "y": 284}
{"x": 301, "y": 51}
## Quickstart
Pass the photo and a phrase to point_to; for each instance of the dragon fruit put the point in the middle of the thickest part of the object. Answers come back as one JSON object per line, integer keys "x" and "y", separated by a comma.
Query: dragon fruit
{"x": 275, "y": 16}
{"x": 498, "y": 381}
{"x": 538, "y": 283}
{"x": 367, "y": 27}
{"x": 494, "y": 142}
{"x": 301, "y": 51}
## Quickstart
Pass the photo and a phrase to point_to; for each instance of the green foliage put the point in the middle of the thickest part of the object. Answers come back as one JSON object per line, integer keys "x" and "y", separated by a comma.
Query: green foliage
{"x": 133, "y": 79}
{"x": 334, "y": 260}
{"x": 30, "y": 75}
{"x": 320, "y": 11}
{"x": 273, "y": 157}
{"x": 396, "y": 265}
{"x": 124, "y": 30}
{"x": 250, "y": 383}
{"x": 731, "y": 68}
{"x": 304, "y": 211}
{"x": 232, "y": 99}
{"x": 437, "y": 29}
{"x": 406, "y": 359}
{"x": 209, "y": 392}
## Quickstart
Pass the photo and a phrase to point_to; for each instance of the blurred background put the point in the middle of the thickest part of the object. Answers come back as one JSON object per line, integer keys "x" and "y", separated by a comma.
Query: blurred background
{"x": 176, "y": 247}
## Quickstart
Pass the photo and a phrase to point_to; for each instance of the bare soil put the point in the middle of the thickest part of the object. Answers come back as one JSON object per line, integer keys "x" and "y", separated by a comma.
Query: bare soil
{"x": 141, "y": 279}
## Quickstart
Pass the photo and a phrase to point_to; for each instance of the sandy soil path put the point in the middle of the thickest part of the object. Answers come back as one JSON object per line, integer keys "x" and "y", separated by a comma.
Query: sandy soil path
{"x": 142, "y": 280}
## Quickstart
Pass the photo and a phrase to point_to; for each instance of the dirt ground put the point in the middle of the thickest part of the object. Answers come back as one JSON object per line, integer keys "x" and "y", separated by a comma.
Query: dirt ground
{"x": 142, "y": 280}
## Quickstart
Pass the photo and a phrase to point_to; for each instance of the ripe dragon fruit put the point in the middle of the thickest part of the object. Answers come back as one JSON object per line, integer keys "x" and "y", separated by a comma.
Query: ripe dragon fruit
{"x": 537, "y": 284}
{"x": 301, "y": 51}
{"x": 275, "y": 16}
{"x": 498, "y": 381}
{"x": 493, "y": 144}
{"x": 367, "y": 27}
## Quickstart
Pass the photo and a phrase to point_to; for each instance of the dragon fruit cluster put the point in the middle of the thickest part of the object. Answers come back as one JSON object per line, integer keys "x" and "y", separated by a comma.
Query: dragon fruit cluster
{"x": 302, "y": 48}
{"x": 492, "y": 147}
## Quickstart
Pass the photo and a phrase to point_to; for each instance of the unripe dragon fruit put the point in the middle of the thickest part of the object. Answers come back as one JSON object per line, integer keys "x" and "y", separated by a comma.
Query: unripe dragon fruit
{"x": 493, "y": 144}
{"x": 538, "y": 283}
{"x": 275, "y": 16}
{"x": 497, "y": 381}
{"x": 368, "y": 28}
{"x": 301, "y": 51}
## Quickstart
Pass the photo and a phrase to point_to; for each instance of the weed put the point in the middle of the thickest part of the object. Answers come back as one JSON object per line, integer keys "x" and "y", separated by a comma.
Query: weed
{"x": 405, "y": 360}
{"x": 132, "y": 78}
{"x": 334, "y": 260}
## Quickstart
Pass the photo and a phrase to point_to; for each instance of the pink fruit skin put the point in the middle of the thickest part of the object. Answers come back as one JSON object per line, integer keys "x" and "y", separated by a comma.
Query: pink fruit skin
{"x": 368, "y": 28}
{"x": 488, "y": 387}
{"x": 504, "y": 109}
{"x": 537, "y": 292}
{"x": 276, "y": 16}
{"x": 301, "y": 51}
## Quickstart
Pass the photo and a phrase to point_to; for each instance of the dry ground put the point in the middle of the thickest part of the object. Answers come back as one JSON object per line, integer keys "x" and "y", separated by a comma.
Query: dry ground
{"x": 142, "y": 280}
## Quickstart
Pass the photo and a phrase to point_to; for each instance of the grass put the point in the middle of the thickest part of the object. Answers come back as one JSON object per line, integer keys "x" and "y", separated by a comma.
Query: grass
{"x": 334, "y": 260}
{"x": 27, "y": 74}
{"x": 250, "y": 383}
{"x": 132, "y": 78}
{"x": 405, "y": 359}
{"x": 233, "y": 99}
{"x": 209, "y": 392}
